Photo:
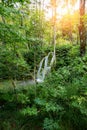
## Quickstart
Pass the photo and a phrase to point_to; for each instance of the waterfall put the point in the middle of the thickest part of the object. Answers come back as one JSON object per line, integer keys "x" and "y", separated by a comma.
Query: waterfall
{"x": 45, "y": 67}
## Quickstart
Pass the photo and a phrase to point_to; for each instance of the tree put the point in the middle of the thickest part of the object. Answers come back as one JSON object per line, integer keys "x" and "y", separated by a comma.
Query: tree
{"x": 82, "y": 32}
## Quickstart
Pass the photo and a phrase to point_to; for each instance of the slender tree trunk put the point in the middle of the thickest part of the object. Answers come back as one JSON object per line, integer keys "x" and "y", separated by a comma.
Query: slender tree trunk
{"x": 69, "y": 18}
{"x": 35, "y": 76}
{"x": 54, "y": 22}
{"x": 82, "y": 32}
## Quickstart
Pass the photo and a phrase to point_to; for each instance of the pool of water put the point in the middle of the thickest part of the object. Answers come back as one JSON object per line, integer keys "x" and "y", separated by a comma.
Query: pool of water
{"x": 7, "y": 84}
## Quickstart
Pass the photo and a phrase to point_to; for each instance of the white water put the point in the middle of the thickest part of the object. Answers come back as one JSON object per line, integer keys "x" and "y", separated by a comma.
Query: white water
{"x": 45, "y": 67}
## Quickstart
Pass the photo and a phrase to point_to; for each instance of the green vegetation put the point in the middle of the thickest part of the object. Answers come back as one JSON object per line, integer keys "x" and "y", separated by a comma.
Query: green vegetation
{"x": 27, "y": 36}
{"x": 57, "y": 104}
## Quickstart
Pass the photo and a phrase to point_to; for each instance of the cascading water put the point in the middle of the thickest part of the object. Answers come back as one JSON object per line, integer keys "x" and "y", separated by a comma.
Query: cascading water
{"x": 45, "y": 67}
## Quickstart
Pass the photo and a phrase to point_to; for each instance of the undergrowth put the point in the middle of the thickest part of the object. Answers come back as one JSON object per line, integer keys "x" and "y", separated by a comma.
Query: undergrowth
{"x": 60, "y": 103}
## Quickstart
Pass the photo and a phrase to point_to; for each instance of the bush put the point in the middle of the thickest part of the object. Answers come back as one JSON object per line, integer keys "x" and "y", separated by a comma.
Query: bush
{"x": 12, "y": 65}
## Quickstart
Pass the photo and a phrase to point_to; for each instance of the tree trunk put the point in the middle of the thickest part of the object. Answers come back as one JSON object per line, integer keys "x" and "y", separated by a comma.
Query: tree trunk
{"x": 82, "y": 32}
{"x": 54, "y": 4}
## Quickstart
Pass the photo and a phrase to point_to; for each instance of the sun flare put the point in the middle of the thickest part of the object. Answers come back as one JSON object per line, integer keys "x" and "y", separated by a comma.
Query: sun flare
{"x": 62, "y": 9}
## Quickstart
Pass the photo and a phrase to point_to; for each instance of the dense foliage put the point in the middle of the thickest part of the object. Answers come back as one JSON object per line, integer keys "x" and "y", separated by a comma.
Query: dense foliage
{"x": 57, "y": 104}
{"x": 27, "y": 36}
